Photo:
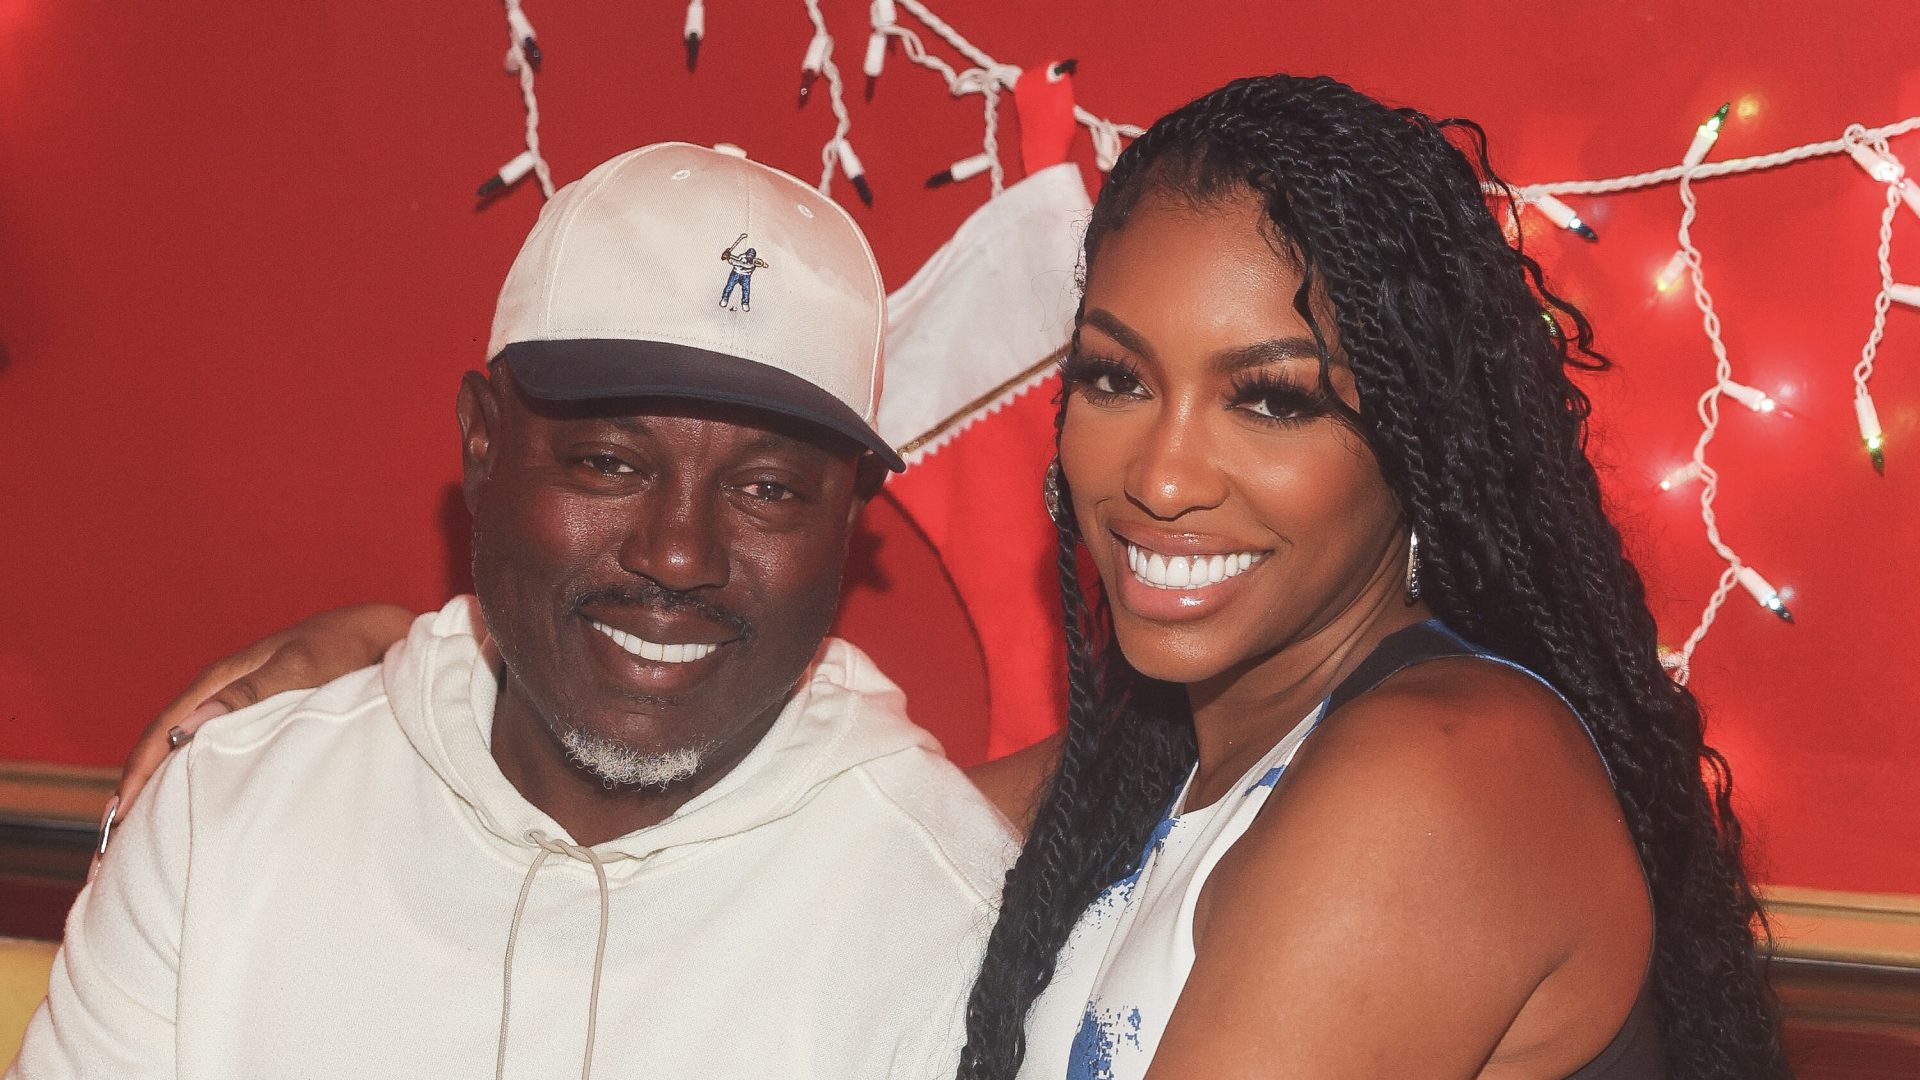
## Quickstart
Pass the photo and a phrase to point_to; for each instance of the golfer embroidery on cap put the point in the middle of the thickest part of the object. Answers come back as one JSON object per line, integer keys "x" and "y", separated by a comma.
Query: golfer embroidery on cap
{"x": 744, "y": 264}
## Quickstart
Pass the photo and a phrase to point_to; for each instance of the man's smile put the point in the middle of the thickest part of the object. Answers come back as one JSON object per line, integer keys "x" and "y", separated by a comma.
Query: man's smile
{"x": 666, "y": 653}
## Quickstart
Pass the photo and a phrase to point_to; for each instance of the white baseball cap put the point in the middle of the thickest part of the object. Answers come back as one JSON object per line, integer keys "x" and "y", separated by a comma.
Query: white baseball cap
{"x": 680, "y": 271}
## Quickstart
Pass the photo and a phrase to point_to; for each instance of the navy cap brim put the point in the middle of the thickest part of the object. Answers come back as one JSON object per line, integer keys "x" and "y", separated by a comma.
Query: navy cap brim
{"x": 587, "y": 369}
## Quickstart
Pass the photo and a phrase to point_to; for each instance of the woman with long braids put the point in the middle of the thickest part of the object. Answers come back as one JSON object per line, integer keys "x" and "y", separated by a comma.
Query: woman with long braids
{"x": 1370, "y": 768}
{"x": 1328, "y": 802}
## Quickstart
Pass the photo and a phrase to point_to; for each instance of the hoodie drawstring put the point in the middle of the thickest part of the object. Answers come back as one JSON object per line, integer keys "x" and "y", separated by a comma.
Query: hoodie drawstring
{"x": 549, "y": 846}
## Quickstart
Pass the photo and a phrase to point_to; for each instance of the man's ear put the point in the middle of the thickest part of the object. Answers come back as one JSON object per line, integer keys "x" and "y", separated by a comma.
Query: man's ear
{"x": 478, "y": 407}
{"x": 869, "y": 474}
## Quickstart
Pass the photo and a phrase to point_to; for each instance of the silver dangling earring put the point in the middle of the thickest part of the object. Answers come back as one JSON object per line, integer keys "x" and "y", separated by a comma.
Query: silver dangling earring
{"x": 1050, "y": 492}
{"x": 1413, "y": 567}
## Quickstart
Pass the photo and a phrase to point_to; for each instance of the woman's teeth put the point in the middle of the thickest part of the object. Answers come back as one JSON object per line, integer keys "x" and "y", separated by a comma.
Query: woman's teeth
{"x": 649, "y": 650}
{"x": 1186, "y": 571}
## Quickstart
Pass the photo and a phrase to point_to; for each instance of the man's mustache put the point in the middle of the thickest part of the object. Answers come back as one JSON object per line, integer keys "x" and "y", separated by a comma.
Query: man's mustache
{"x": 654, "y": 597}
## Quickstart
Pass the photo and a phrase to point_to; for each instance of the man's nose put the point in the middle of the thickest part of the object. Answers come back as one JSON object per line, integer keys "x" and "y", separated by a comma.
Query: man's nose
{"x": 1172, "y": 470}
{"x": 674, "y": 539}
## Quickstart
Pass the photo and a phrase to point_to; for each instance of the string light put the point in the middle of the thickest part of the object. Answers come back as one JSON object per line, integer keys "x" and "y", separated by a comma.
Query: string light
{"x": 523, "y": 60}
{"x": 1751, "y": 396}
{"x": 964, "y": 169}
{"x": 856, "y": 173}
{"x": 1562, "y": 215}
{"x": 1685, "y": 264}
{"x": 1677, "y": 477}
{"x": 876, "y": 59}
{"x": 882, "y": 15}
{"x": 1671, "y": 274}
{"x": 988, "y": 78}
{"x": 696, "y": 30}
{"x": 508, "y": 175}
{"x": 1882, "y": 167}
{"x": 812, "y": 64}
{"x": 1871, "y": 436}
{"x": 1705, "y": 136}
{"x": 523, "y": 33}
{"x": 1764, "y": 593}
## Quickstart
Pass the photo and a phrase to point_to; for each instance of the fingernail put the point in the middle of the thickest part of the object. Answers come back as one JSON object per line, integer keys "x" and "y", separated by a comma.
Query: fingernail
{"x": 106, "y": 826}
{"x": 177, "y": 735}
{"x": 207, "y": 711}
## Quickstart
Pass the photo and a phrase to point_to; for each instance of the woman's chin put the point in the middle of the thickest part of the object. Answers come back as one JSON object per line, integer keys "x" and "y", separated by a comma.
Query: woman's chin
{"x": 1173, "y": 657}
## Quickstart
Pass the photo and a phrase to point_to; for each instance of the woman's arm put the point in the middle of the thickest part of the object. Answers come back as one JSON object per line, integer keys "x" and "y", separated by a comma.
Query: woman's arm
{"x": 1441, "y": 886}
{"x": 308, "y": 653}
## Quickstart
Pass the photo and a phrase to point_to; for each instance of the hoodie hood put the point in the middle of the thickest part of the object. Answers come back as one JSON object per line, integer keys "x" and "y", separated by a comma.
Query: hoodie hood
{"x": 443, "y": 681}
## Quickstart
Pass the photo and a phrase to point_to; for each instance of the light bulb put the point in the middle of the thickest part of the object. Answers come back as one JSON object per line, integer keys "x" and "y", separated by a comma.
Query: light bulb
{"x": 1871, "y": 436}
{"x": 508, "y": 175}
{"x": 1670, "y": 274}
{"x": 856, "y": 174}
{"x": 1679, "y": 476}
{"x": 1764, "y": 593}
{"x": 1562, "y": 215}
{"x": 1705, "y": 136}
{"x": 964, "y": 169}
{"x": 695, "y": 30}
{"x": 811, "y": 64}
{"x": 1752, "y": 397}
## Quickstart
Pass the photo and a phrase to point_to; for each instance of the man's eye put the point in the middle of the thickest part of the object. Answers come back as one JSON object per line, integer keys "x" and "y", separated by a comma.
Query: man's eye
{"x": 768, "y": 490}
{"x": 607, "y": 464}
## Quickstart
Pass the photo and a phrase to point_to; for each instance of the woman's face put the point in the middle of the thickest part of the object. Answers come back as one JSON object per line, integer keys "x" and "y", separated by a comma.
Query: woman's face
{"x": 1229, "y": 510}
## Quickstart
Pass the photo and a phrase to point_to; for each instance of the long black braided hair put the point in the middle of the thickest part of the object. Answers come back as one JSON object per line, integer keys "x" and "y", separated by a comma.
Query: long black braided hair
{"x": 1462, "y": 358}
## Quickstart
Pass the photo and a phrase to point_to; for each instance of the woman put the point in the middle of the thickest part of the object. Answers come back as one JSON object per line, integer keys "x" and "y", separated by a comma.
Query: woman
{"x": 1317, "y": 435}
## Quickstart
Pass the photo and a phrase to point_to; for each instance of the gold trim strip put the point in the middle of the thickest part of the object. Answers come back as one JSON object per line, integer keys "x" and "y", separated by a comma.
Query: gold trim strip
{"x": 981, "y": 402}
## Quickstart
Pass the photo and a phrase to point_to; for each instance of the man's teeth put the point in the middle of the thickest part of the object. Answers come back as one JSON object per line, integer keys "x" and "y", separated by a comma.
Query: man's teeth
{"x": 1187, "y": 571}
{"x": 650, "y": 650}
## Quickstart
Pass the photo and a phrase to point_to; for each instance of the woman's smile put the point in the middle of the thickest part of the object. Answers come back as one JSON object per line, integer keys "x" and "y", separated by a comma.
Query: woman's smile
{"x": 1176, "y": 576}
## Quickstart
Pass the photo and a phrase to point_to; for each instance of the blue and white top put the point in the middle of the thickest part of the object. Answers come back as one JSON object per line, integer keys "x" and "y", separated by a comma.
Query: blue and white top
{"x": 1128, "y": 958}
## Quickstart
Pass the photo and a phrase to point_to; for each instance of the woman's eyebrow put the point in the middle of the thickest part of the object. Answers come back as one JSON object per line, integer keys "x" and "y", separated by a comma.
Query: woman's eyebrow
{"x": 1109, "y": 324}
{"x": 1260, "y": 353}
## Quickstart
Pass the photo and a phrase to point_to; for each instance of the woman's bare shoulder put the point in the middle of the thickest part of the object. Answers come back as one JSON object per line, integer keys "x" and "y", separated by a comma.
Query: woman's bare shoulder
{"x": 1013, "y": 783}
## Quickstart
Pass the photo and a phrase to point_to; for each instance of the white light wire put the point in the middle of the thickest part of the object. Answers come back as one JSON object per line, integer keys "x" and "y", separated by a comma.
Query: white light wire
{"x": 1863, "y": 371}
{"x": 1730, "y": 167}
{"x": 1708, "y": 408}
{"x": 517, "y": 62}
{"x": 836, "y": 97}
{"x": 1105, "y": 133}
{"x": 987, "y": 82}
{"x": 1679, "y": 662}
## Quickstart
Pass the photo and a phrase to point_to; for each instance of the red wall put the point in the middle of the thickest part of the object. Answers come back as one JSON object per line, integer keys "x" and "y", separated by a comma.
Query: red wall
{"x": 241, "y": 268}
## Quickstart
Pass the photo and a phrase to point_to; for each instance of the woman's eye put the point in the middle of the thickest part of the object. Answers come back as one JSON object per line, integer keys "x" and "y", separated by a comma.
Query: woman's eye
{"x": 1279, "y": 406}
{"x": 1273, "y": 408}
{"x": 1114, "y": 382}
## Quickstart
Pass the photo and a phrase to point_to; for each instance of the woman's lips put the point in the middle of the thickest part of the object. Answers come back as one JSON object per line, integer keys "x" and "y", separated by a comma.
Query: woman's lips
{"x": 1187, "y": 583}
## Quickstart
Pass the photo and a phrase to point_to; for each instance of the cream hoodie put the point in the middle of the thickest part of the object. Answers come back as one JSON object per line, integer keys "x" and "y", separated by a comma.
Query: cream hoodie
{"x": 324, "y": 885}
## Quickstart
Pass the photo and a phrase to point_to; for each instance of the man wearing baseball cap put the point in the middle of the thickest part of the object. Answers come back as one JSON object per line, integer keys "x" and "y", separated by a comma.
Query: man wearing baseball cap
{"x": 628, "y": 811}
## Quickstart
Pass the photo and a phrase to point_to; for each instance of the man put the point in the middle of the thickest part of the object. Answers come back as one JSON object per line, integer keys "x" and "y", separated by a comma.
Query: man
{"x": 744, "y": 264}
{"x": 626, "y": 810}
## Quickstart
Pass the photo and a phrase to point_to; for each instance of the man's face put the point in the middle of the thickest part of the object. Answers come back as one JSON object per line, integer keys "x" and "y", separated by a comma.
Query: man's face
{"x": 656, "y": 574}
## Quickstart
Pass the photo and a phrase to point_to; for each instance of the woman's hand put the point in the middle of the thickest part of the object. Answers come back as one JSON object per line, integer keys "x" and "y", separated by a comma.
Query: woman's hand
{"x": 308, "y": 653}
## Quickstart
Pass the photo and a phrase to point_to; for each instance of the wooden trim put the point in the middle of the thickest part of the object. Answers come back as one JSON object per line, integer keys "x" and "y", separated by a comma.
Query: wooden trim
{"x": 54, "y": 796}
{"x": 1871, "y": 929}
{"x": 53, "y": 811}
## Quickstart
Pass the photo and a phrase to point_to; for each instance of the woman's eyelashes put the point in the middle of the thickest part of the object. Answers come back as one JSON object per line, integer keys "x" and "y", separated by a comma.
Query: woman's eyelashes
{"x": 1100, "y": 378}
{"x": 1264, "y": 396}
{"x": 1276, "y": 399}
